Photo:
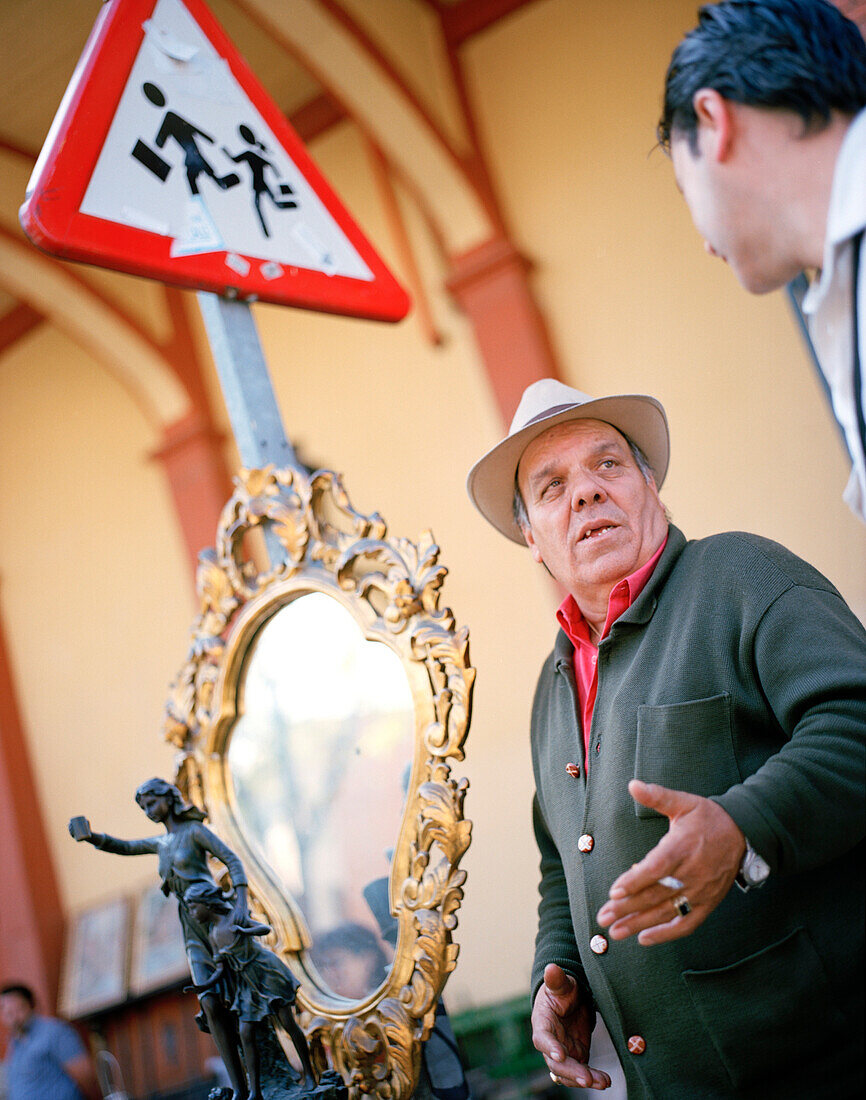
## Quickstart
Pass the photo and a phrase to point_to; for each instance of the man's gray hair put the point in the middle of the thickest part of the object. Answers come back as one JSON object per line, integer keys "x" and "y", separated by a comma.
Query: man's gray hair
{"x": 518, "y": 506}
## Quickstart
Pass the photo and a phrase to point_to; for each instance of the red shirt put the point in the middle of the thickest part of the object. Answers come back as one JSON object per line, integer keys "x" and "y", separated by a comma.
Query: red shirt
{"x": 573, "y": 623}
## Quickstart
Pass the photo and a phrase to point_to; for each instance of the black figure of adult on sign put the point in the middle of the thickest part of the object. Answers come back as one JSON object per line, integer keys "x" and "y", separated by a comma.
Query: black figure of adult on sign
{"x": 257, "y": 164}
{"x": 185, "y": 134}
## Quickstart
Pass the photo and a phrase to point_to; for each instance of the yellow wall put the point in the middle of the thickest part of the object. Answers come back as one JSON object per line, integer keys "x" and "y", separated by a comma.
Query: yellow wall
{"x": 95, "y": 584}
{"x": 96, "y": 598}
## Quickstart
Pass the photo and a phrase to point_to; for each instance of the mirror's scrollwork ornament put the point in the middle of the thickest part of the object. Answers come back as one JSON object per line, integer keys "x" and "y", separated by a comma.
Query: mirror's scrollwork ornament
{"x": 315, "y": 541}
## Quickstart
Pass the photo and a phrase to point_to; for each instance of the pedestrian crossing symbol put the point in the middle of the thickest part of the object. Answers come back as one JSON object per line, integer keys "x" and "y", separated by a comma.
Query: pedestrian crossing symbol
{"x": 198, "y": 179}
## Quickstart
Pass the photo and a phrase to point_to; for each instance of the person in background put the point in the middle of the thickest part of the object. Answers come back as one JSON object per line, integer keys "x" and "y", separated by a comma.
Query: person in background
{"x": 46, "y": 1059}
{"x": 351, "y": 960}
{"x": 765, "y": 124}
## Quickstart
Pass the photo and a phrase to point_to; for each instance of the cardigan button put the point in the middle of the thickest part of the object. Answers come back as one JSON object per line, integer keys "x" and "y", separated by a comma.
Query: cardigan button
{"x": 636, "y": 1044}
{"x": 573, "y": 770}
{"x": 585, "y": 843}
{"x": 598, "y": 945}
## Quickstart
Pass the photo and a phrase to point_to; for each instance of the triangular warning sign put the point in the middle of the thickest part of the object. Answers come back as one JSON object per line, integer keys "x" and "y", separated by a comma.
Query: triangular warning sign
{"x": 168, "y": 159}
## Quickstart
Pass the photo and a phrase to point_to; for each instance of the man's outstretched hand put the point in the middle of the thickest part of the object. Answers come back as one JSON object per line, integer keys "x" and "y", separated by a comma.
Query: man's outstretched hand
{"x": 562, "y": 1023}
{"x": 702, "y": 848}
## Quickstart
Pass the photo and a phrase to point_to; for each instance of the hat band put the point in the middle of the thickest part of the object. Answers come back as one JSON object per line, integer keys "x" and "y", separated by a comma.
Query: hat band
{"x": 547, "y": 412}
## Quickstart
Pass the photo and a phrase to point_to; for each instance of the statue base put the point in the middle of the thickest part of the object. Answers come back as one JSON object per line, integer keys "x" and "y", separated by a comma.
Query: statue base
{"x": 280, "y": 1081}
{"x": 330, "y": 1087}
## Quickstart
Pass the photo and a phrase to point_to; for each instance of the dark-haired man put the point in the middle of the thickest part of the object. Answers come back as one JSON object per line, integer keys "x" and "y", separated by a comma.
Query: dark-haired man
{"x": 46, "y": 1060}
{"x": 765, "y": 123}
{"x": 699, "y": 723}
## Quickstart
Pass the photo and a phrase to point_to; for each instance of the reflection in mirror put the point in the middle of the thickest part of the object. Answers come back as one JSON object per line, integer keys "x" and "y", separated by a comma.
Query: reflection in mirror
{"x": 320, "y": 762}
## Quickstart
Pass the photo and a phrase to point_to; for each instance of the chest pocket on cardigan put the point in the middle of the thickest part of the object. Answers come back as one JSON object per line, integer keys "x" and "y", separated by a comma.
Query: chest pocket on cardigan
{"x": 686, "y": 746}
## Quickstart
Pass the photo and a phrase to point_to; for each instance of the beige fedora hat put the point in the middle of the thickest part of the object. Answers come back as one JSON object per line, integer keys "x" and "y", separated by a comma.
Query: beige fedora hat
{"x": 490, "y": 483}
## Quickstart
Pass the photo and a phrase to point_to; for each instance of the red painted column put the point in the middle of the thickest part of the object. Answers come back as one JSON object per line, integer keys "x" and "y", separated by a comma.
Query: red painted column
{"x": 198, "y": 478}
{"x": 491, "y": 284}
{"x": 31, "y": 918}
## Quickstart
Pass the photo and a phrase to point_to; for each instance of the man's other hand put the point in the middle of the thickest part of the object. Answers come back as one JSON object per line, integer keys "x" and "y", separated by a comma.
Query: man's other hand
{"x": 702, "y": 848}
{"x": 562, "y": 1023}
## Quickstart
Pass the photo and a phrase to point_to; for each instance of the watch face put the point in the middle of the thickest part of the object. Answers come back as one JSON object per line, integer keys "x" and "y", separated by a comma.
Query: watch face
{"x": 755, "y": 869}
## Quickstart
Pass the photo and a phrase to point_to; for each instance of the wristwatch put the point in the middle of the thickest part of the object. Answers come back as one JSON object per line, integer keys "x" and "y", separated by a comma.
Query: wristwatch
{"x": 754, "y": 869}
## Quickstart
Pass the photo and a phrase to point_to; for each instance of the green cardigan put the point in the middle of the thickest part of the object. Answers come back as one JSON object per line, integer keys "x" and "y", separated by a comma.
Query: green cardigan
{"x": 740, "y": 674}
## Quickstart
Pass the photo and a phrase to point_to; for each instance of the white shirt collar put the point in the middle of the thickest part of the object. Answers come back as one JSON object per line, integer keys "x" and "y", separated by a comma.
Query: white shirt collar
{"x": 847, "y": 213}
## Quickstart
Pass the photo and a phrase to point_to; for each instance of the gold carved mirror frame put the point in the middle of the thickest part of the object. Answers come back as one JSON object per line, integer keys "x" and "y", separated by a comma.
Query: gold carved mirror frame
{"x": 314, "y": 541}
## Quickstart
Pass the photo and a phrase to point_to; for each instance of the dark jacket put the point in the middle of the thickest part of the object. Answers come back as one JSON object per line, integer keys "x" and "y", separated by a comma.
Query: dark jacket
{"x": 739, "y": 673}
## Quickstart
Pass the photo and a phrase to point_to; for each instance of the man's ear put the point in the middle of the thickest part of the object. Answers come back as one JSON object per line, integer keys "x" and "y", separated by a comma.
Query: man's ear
{"x": 530, "y": 542}
{"x": 716, "y": 123}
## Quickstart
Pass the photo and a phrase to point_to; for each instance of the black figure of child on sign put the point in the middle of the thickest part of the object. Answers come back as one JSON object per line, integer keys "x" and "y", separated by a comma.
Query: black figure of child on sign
{"x": 185, "y": 134}
{"x": 257, "y": 164}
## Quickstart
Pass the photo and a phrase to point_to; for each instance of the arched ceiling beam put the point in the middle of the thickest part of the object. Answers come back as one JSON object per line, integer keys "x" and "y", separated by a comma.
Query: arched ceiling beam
{"x": 323, "y": 38}
{"x": 46, "y": 286}
{"x": 16, "y": 323}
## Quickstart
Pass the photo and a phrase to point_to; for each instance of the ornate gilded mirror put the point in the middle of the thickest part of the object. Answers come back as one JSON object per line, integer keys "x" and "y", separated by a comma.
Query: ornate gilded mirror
{"x": 324, "y": 700}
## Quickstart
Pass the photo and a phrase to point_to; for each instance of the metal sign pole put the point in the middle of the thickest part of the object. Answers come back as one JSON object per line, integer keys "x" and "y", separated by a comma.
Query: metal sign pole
{"x": 249, "y": 396}
{"x": 246, "y": 383}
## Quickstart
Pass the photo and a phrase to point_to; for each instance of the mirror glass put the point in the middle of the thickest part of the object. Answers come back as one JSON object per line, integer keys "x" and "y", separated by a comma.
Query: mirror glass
{"x": 320, "y": 761}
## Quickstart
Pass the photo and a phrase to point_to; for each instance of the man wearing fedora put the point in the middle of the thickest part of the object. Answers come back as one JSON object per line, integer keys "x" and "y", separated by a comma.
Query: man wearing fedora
{"x": 697, "y": 743}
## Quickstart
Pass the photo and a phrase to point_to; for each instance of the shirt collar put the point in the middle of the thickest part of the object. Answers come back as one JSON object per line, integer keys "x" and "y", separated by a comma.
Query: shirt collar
{"x": 26, "y": 1028}
{"x": 623, "y": 595}
{"x": 847, "y": 212}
